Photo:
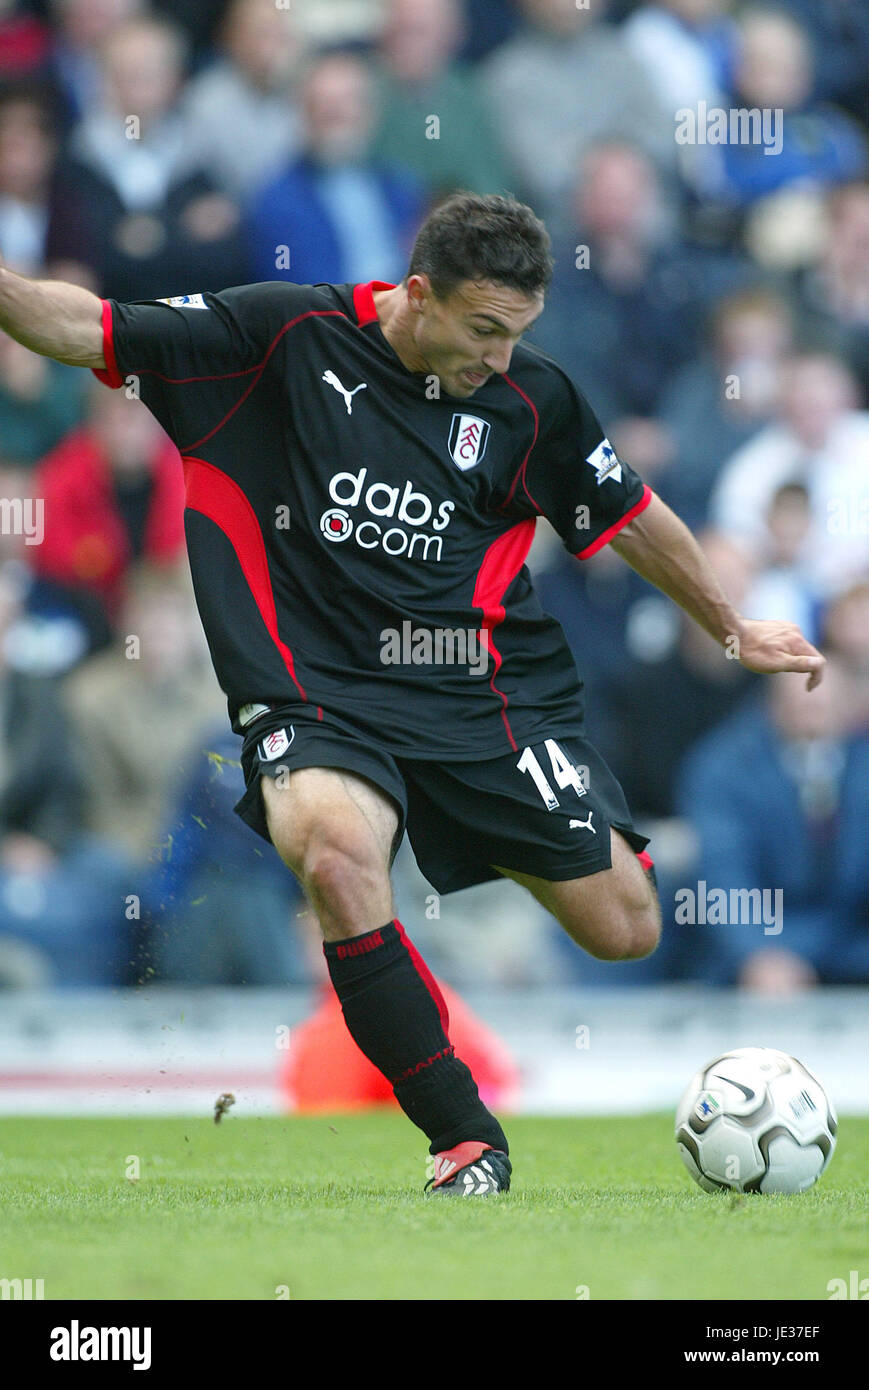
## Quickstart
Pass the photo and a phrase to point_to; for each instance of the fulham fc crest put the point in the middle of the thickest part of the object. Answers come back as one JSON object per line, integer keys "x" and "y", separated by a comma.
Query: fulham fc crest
{"x": 468, "y": 439}
{"x": 274, "y": 744}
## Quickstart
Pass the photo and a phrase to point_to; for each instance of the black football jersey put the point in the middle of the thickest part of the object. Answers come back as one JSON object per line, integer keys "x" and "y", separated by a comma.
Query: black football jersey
{"x": 357, "y": 538}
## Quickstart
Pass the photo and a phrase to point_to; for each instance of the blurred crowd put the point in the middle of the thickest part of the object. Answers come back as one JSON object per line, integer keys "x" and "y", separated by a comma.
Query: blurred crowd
{"x": 710, "y": 298}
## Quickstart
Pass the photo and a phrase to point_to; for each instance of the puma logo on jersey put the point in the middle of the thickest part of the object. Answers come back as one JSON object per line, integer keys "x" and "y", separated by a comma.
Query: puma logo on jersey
{"x": 331, "y": 380}
{"x": 583, "y": 824}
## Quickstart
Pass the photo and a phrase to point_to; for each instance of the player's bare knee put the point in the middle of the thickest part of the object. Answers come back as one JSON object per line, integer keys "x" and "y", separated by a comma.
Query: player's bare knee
{"x": 627, "y": 935}
{"x": 645, "y": 933}
{"x": 640, "y": 928}
{"x": 333, "y": 871}
{"x": 642, "y": 923}
{"x": 342, "y": 880}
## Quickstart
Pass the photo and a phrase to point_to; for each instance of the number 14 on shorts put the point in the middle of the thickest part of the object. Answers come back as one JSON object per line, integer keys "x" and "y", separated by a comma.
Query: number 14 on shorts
{"x": 564, "y": 773}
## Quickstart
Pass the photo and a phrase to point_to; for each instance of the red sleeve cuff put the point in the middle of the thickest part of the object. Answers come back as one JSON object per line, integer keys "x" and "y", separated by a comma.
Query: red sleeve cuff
{"x": 613, "y": 530}
{"x": 111, "y": 376}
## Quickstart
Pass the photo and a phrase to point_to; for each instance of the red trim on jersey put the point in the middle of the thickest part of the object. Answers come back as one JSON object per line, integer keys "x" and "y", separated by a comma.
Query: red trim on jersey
{"x": 187, "y": 380}
{"x": 308, "y": 314}
{"x": 501, "y": 564}
{"x": 109, "y": 354}
{"x": 217, "y": 496}
{"x": 613, "y": 530}
{"x": 363, "y": 300}
{"x": 521, "y": 473}
{"x": 111, "y": 376}
{"x": 425, "y": 975}
{"x": 645, "y": 859}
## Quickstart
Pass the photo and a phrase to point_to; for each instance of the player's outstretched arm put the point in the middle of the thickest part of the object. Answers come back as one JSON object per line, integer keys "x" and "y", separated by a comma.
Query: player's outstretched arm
{"x": 661, "y": 548}
{"x": 53, "y": 318}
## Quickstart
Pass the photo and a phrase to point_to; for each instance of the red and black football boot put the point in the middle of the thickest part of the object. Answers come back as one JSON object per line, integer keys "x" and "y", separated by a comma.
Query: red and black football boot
{"x": 471, "y": 1169}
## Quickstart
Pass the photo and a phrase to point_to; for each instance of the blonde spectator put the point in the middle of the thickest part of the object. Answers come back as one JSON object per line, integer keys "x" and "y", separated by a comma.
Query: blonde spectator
{"x": 137, "y": 708}
{"x": 566, "y": 81}
{"x": 430, "y": 117}
{"x": 241, "y": 113}
{"x": 820, "y": 438}
{"x": 134, "y": 203}
{"x": 846, "y": 634}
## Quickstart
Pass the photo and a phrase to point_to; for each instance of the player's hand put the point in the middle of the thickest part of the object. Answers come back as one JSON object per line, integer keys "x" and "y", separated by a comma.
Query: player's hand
{"x": 768, "y": 646}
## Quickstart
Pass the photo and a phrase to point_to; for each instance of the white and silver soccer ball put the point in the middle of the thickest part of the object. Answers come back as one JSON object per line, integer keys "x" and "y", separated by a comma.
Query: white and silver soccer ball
{"x": 755, "y": 1120}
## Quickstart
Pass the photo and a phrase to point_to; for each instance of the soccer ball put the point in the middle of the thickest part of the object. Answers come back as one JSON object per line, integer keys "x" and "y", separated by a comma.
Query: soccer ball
{"x": 755, "y": 1120}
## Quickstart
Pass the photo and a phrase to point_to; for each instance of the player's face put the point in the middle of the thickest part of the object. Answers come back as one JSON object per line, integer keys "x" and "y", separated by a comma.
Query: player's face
{"x": 467, "y": 337}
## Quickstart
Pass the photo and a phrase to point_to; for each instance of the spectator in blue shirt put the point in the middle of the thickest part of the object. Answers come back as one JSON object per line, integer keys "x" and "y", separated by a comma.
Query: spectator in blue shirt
{"x": 216, "y": 909}
{"x": 335, "y": 214}
{"x": 779, "y": 797}
{"x": 809, "y": 143}
{"x": 630, "y": 295}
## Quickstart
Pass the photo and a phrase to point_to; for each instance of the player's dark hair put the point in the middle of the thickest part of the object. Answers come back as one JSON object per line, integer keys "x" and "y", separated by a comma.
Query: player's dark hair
{"x": 470, "y": 237}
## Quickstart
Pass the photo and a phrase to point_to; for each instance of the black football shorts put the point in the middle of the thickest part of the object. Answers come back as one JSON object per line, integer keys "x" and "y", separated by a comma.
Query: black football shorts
{"x": 544, "y": 810}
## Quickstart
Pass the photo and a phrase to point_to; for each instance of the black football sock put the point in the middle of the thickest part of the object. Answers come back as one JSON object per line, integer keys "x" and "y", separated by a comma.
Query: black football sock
{"x": 397, "y": 1016}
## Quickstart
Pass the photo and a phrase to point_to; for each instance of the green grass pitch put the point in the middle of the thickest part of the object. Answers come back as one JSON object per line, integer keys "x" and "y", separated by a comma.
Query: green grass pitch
{"x": 332, "y": 1208}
